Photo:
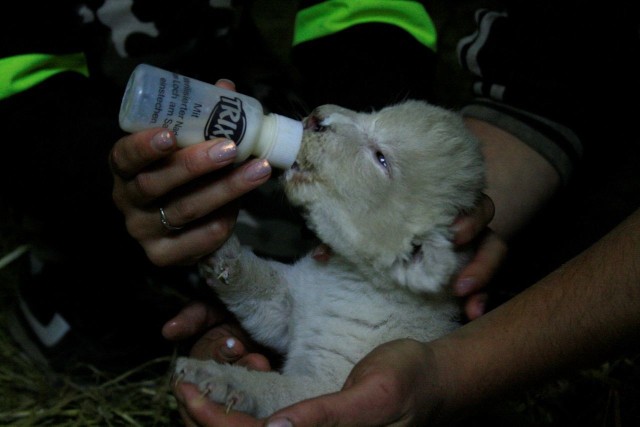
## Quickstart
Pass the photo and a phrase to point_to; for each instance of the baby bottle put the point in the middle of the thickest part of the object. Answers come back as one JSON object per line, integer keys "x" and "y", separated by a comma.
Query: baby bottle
{"x": 196, "y": 111}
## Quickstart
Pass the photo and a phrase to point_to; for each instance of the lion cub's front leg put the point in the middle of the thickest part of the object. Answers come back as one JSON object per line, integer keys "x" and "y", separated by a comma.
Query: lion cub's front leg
{"x": 255, "y": 392}
{"x": 254, "y": 289}
{"x": 223, "y": 266}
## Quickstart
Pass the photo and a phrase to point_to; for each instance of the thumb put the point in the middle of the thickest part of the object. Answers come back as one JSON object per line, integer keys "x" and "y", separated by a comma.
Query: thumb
{"x": 345, "y": 408}
{"x": 193, "y": 319}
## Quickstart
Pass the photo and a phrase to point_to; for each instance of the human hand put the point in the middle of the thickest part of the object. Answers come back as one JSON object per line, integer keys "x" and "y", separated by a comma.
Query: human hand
{"x": 219, "y": 336}
{"x": 490, "y": 251}
{"x": 396, "y": 384}
{"x": 192, "y": 185}
{"x": 219, "y": 339}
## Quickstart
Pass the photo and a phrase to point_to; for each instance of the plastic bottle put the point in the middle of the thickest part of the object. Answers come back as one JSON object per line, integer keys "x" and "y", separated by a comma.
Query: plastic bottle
{"x": 196, "y": 111}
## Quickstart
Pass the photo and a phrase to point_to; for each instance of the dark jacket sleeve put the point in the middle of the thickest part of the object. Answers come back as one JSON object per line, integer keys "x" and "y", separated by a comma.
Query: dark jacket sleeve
{"x": 552, "y": 73}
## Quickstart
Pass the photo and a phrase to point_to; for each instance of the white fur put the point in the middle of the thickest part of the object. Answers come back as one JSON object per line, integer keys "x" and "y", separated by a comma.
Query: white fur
{"x": 381, "y": 190}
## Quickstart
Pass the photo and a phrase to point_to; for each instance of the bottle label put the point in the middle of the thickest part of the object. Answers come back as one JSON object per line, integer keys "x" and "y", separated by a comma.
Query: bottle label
{"x": 227, "y": 120}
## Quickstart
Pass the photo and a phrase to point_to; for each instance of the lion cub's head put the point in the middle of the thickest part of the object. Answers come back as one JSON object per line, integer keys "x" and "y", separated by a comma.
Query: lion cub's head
{"x": 382, "y": 188}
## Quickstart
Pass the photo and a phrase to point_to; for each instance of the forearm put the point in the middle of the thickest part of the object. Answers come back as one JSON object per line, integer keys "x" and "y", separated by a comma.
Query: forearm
{"x": 519, "y": 180}
{"x": 585, "y": 311}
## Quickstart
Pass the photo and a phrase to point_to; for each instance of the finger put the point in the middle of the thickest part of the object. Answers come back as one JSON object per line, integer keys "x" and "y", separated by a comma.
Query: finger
{"x": 133, "y": 152}
{"x": 346, "y": 408}
{"x": 255, "y": 362}
{"x": 228, "y": 343}
{"x": 206, "y": 413}
{"x": 186, "y": 418}
{"x": 475, "y": 306}
{"x": 213, "y": 194}
{"x": 181, "y": 391}
{"x": 467, "y": 227}
{"x": 200, "y": 201}
{"x": 226, "y": 84}
{"x": 222, "y": 343}
{"x": 187, "y": 246}
{"x": 487, "y": 260}
{"x": 183, "y": 166}
{"x": 192, "y": 320}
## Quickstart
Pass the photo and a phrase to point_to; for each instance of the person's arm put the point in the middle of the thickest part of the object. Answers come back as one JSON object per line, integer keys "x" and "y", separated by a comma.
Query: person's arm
{"x": 519, "y": 180}
{"x": 586, "y": 310}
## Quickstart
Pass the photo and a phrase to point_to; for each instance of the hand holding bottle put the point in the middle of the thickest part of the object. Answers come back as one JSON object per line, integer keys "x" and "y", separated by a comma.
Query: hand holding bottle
{"x": 195, "y": 111}
{"x": 197, "y": 199}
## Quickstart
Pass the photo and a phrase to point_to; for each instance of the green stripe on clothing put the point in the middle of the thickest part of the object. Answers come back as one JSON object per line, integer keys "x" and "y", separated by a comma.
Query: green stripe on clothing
{"x": 332, "y": 16}
{"x": 21, "y": 72}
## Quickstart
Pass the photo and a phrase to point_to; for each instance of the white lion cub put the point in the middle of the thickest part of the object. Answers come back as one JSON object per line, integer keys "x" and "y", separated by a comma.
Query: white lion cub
{"x": 381, "y": 189}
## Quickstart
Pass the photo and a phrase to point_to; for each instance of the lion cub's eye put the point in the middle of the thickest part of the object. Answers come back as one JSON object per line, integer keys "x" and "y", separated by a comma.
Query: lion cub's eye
{"x": 381, "y": 159}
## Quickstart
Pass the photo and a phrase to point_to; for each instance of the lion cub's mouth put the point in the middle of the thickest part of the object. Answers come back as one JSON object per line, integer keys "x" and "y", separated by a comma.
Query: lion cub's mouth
{"x": 302, "y": 171}
{"x": 299, "y": 173}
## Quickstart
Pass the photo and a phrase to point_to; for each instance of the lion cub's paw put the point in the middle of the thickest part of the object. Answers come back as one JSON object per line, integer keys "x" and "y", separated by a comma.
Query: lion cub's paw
{"x": 214, "y": 382}
{"x": 220, "y": 266}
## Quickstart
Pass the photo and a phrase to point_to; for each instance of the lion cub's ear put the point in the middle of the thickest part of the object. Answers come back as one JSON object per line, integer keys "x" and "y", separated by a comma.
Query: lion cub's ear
{"x": 429, "y": 267}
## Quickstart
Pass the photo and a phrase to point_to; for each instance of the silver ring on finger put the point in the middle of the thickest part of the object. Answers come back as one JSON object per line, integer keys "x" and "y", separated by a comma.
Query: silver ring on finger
{"x": 165, "y": 222}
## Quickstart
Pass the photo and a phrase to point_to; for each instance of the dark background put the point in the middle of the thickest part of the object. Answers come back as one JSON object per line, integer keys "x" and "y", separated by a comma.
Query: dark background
{"x": 605, "y": 190}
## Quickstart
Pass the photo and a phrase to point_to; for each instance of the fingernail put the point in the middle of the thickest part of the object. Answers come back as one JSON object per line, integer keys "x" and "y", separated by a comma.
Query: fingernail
{"x": 257, "y": 170}
{"x": 455, "y": 225}
{"x": 228, "y": 351}
{"x": 169, "y": 329}
{"x": 458, "y": 231}
{"x": 476, "y": 306}
{"x": 279, "y": 422}
{"x": 226, "y": 81}
{"x": 223, "y": 151}
{"x": 198, "y": 402}
{"x": 477, "y": 310}
{"x": 162, "y": 140}
{"x": 465, "y": 285}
